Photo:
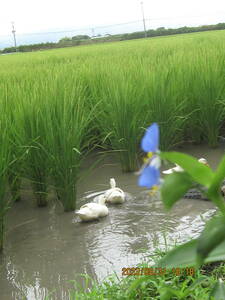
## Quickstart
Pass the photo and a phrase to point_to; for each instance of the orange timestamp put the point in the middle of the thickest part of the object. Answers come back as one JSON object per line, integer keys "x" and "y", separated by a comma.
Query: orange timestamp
{"x": 154, "y": 271}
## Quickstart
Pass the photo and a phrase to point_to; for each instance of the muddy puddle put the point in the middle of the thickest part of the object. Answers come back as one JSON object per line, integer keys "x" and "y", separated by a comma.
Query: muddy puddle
{"x": 46, "y": 248}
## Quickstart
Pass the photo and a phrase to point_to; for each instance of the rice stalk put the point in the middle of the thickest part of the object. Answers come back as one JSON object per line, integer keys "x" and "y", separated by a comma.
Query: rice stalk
{"x": 121, "y": 115}
{"x": 37, "y": 159}
{"x": 64, "y": 102}
{"x": 67, "y": 121}
{"x": 5, "y": 161}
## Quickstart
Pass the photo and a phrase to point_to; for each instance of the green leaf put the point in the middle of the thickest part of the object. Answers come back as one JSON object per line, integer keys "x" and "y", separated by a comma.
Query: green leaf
{"x": 136, "y": 283}
{"x": 189, "y": 289}
{"x": 197, "y": 282}
{"x": 76, "y": 150}
{"x": 218, "y": 292}
{"x": 201, "y": 173}
{"x": 215, "y": 195}
{"x": 186, "y": 255}
{"x": 182, "y": 256}
{"x": 174, "y": 187}
{"x": 167, "y": 293}
{"x": 219, "y": 175}
{"x": 210, "y": 238}
{"x": 214, "y": 191}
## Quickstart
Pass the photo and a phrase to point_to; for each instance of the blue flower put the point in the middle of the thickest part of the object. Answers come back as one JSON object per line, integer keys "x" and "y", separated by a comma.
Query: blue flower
{"x": 150, "y": 141}
{"x": 149, "y": 177}
{"x": 150, "y": 173}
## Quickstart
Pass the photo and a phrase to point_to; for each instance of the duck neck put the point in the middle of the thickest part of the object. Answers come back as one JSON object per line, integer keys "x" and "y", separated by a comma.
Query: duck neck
{"x": 112, "y": 183}
{"x": 101, "y": 200}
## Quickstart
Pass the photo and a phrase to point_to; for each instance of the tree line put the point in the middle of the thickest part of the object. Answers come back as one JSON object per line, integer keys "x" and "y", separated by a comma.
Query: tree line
{"x": 86, "y": 40}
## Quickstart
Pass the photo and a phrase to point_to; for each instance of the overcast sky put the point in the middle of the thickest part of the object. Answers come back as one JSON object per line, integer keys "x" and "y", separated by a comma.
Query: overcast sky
{"x": 45, "y": 15}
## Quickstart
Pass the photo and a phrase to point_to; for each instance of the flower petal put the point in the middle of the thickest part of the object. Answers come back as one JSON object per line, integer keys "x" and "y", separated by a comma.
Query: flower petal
{"x": 149, "y": 177}
{"x": 150, "y": 141}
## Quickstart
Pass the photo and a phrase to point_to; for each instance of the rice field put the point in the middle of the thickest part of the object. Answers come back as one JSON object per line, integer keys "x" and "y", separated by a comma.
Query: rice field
{"x": 58, "y": 105}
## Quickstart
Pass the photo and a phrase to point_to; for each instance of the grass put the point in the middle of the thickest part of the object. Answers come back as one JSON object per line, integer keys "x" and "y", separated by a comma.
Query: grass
{"x": 67, "y": 132}
{"x": 5, "y": 162}
{"x": 207, "y": 95}
{"x": 120, "y": 129}
{"x": 175, "y": 284}
{"x": 36, "y": 162}
{"x": 16, "y": 138}
{"x": 64, "y": 102}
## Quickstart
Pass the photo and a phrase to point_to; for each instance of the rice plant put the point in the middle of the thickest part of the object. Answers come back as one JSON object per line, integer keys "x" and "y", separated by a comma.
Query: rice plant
{"x": 165, "y": 105}
{"x": 67, "y": 127}
{"x": 17, "y": 142}
{"x": 37, "y": 159}
{"x": 208, "y": 91}
{"x": 5, "y": 161}
{"x": 121, "y": 117}
{"x": 66, "y": 101}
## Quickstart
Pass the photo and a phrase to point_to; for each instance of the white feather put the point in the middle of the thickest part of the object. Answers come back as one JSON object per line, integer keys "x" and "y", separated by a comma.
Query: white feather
{"x": 179, "y": 169}
{"x": 92, "y": 211}
{"x": 114, "y": 194}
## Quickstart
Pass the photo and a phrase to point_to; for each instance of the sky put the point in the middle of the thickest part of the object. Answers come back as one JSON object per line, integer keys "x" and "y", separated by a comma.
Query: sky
{"x": 49, "y": 15}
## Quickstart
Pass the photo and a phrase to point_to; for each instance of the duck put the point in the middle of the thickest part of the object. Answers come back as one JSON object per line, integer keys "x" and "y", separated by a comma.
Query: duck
{"x": 203, "y": 161}
{"x": 179, "y": 169}
{"x": 93, "y": 211}
{"x": 174, "y": 169}
{"x": 114, "y": 195}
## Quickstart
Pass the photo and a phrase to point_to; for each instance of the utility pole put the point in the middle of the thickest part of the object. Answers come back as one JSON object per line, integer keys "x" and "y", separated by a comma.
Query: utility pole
{"x": 93, "y": 32}
{"x": 14, "y": 34}
{"x": 143, "y": 16}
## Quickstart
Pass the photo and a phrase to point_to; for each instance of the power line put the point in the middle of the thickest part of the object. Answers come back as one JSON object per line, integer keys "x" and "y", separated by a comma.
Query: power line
{"x": 80, "y": 29}
{"x": 93, "y": 28}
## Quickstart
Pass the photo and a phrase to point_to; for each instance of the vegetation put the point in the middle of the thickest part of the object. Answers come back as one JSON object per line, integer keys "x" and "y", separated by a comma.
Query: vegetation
{"x": 67, "y": 101}
{"x": 173, "y": 276}
{"x": 28, "y": 48}
{"x": 87, "y": 40}
{"x": 5, "y": 160}
{"x": 174, "y": 284}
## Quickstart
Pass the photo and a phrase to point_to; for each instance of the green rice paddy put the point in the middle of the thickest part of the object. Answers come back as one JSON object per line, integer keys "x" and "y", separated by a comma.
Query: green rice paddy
{"x": 57, "y": 105}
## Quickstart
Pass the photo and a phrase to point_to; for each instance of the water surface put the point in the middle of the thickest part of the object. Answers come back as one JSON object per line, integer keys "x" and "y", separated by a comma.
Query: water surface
{"x": 46, "y": 248}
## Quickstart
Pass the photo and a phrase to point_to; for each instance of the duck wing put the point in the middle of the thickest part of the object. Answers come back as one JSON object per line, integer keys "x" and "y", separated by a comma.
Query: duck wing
{"x": 89, "y": 209}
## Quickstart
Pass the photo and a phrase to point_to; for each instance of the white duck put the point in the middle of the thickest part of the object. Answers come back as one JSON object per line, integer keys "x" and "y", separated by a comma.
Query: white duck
{"x": 92, "y": 211}
{"x": 172, "y": 170}
{"x": 179, "y": 169}
{"x": 114, "y": 195}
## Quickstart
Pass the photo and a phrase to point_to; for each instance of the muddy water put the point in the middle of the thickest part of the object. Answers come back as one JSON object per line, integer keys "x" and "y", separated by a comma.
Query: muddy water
{"x": 46, "y": 248}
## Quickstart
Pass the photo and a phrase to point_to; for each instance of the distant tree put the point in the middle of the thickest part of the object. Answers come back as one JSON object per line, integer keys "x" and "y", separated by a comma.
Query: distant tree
{"x": 220, "y": 26}
{"x": 9, "y": 50}
{"x": 161, "y": 31}
{"x": 161, "y": 28}
{"x": 85, "y": 39}
{"x": 65, "y": 40}
{"x": 80, "y": 37}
